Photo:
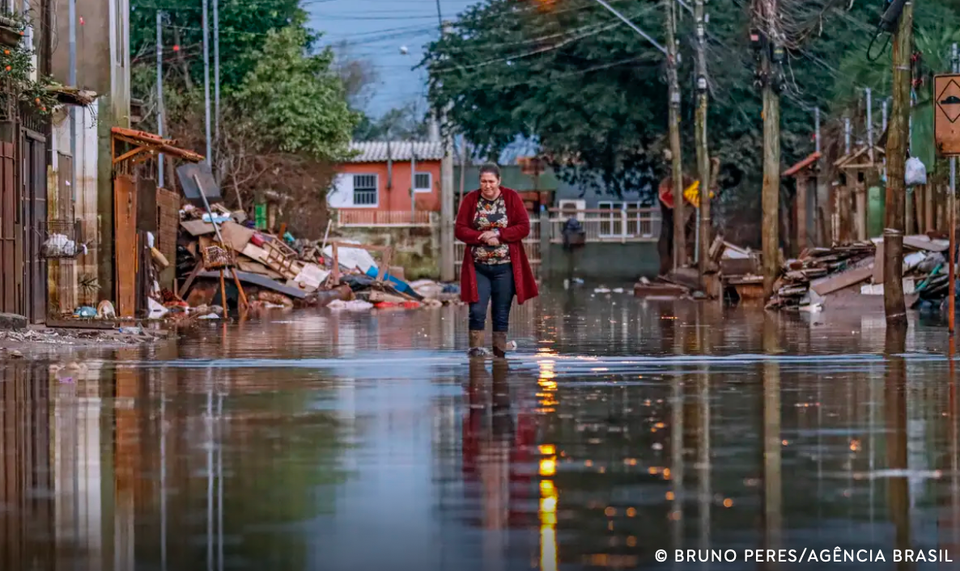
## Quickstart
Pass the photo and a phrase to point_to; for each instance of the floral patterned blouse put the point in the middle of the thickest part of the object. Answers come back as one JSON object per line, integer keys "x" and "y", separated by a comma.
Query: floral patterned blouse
{"x": 491, "y": 215}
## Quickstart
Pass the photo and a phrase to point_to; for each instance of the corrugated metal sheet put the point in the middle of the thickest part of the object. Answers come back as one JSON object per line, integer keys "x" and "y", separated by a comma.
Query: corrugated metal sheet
{"x": 376, "y": 151}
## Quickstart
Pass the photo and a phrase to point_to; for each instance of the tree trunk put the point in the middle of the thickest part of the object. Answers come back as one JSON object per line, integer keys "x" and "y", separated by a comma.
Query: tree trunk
{"x": 679, "y": 233}
{"x": 771, "y": 186}
{"x": 703, "y": 151}
{"x": 893, "y": 302}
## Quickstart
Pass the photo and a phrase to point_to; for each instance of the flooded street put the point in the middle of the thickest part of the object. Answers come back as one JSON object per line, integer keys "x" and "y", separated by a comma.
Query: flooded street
{"x": 344, "y": 441}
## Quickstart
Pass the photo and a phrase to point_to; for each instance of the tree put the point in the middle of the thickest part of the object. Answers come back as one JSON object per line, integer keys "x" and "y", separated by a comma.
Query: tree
{"x": 594, "y": 94}
{"x": 396, "y": 124}
{"x": 297, "y": 99}
{"x": 244, "y": 32}
{"x": 358, "y": 75}
{"x": 585, "y": 87}
{"x": 284, "y": 126}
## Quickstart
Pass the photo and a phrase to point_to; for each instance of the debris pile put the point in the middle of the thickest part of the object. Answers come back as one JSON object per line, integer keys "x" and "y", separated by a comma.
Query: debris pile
{"x": 858, "y": 268}
{"x": 822, "y": 271}
{"x": 280, "y": 271}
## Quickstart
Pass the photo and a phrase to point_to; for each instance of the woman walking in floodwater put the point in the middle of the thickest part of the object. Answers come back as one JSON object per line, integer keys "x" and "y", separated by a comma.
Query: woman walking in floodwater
{"x": 493, "y": 222}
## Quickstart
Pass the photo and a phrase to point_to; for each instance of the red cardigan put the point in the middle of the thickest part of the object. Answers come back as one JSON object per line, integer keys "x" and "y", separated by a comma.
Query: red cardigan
{"x": 518, "y": 228}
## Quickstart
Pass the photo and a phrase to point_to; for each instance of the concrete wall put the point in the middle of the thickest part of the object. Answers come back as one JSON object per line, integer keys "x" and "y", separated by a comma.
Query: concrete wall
{"x": 93, "y": 43}
{"x": 417, "y": 250}
{"x": 611, "y": 262}
{"x": 103, "y": 66}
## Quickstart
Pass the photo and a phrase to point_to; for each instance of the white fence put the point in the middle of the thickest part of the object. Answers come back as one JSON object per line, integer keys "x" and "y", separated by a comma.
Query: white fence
{"x": 632, "y": 225}
{"x": 600, "y": 226}
{"x": 531, "y": 245}
{"x": 384, "y": 218}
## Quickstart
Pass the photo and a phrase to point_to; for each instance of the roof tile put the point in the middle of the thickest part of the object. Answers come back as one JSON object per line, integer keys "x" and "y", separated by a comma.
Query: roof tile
{"x": 380, "y": 151}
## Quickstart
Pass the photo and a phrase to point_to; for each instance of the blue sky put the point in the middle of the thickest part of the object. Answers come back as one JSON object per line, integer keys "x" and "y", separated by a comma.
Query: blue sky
{"x": 375, "y": 30}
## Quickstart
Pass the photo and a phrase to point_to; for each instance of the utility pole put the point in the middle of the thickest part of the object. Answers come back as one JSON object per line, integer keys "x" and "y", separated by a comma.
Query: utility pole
{"x": 952, "y": 205}
{"x": 897, "y": 145}
{"x": 447, "y": 262}
{"x": 817, "y": 215}
{"x": 216, "y": 76}
{"x": 206, "y": 79}
{"x": 771, "y": 57}
{"x": 160, "y": 111}
{"x": 863, "y": 218}
{"x": 703, "y": 149}
{"x": 679, "y": 220}
{"x": 72, "y": 80}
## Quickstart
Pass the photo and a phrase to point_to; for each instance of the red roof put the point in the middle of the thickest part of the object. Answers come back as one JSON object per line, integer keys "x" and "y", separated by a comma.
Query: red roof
{"x": 802, "y": 164}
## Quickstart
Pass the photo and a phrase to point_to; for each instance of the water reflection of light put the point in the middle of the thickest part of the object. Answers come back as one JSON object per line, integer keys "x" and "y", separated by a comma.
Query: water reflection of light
{"x": 548, "y": 512}
{"x": 547, "y": 371}
{"x": 548, "y": 449}
{"x": 548, "y": 467}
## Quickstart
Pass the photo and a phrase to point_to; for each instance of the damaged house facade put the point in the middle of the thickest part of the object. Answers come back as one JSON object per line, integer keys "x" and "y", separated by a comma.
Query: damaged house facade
{"x": 34, "y": 203}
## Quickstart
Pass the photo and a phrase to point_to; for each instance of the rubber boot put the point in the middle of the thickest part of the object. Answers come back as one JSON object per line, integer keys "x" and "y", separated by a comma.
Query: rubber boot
{"x": 476, "y": 344}
{"x": 500, "y": 344}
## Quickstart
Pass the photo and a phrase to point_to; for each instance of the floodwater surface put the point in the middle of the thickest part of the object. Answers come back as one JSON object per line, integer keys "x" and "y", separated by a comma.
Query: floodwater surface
{"x": 317, "y": 440}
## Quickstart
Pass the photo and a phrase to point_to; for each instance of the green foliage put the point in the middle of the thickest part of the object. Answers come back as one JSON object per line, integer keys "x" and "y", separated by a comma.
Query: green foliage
{"x": 594, "y": 93}
{"x": 297, "y": 99}
{"x": 244, "y": 29}
{"x": 586, "y": 87}
{"x": 284, "y": 116}
{"x": 16, "y": 69}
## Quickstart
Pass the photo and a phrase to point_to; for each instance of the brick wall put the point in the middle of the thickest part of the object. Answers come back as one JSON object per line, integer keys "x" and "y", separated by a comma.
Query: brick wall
{"x": 168, "y": 213}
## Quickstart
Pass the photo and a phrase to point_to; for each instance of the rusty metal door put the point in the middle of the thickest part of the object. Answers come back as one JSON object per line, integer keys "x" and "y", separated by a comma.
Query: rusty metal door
{"x": 34, "y": 194}
{"x": 10, "y": 242}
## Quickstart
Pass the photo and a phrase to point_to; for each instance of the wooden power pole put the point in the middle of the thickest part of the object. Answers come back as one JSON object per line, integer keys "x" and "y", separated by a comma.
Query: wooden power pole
{"x": 703, "y": 150}
{"x": 897, "y": 147}
{"x": 771, "y": 59}
{"x": 679, "y": 220}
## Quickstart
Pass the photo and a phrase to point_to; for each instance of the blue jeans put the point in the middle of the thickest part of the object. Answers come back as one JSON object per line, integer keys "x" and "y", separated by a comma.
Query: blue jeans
{"x": 496, "y": 282}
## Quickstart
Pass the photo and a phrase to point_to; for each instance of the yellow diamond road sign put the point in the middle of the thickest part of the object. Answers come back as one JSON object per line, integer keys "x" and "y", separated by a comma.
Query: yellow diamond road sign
{"x": 947, "y": 116}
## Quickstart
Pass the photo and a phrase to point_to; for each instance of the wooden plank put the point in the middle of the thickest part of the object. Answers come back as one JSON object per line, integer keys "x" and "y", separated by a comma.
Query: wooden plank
{"x": 878, "y": 265}
{"x": 125, "y": 236}
{"x": 197, "y": 227}
{"x": 924, "y": 243}
{"x": 257, "y": 268}
{"x": 846, "y": 279}
{"x": 189, "y": 281}
{"x": 261, "y": 281}
{"x": 236, "y": 236}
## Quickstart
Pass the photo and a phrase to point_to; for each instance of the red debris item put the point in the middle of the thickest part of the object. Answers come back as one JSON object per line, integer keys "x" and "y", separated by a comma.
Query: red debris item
{"x": 394, "y": 305}
{"x": 258, "y": 240}
{"x": 666, "y": 190}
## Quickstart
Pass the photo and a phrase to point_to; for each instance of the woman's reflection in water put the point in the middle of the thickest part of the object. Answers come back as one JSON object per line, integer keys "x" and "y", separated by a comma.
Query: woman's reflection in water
{"x": 489, "y": 437}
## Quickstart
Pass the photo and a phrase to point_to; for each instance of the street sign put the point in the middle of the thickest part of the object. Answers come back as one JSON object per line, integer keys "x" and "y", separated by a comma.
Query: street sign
{"x": 946, "y": 122}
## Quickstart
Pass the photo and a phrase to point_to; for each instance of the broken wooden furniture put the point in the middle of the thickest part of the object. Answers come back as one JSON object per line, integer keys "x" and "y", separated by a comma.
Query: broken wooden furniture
{"x": 220, "y": 257}
{"x": 386, "y": 252}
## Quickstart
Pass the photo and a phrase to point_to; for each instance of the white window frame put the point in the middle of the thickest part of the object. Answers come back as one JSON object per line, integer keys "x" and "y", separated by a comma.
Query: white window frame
{"x": 606, "y": 223}
{"x": 353, "y": 192}
{"x": 423, "y": 190}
